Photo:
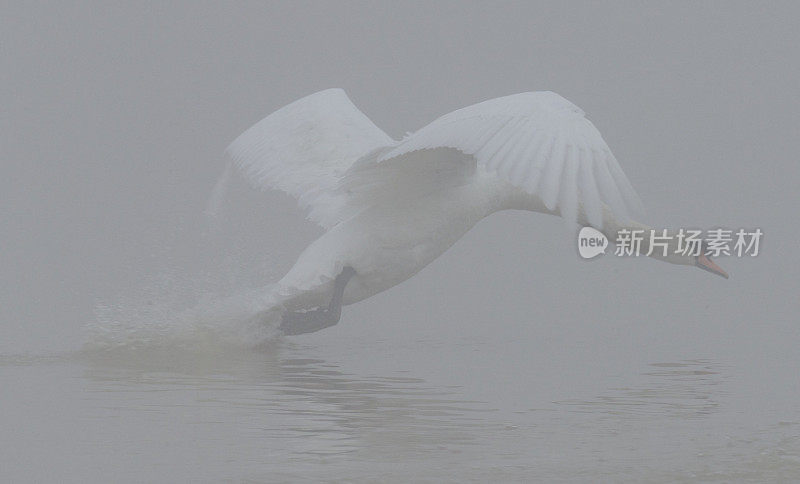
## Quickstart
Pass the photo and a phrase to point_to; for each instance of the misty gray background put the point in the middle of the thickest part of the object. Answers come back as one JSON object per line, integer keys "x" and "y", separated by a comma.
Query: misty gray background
{"x": 114, "y": 118}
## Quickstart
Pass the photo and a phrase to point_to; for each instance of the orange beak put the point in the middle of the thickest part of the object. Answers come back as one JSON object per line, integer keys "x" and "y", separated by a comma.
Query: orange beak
{"x": 707, "y": 264}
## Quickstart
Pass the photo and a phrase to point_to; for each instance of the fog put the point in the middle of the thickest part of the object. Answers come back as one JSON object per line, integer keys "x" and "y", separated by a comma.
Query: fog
{"x": 507, "y": 358}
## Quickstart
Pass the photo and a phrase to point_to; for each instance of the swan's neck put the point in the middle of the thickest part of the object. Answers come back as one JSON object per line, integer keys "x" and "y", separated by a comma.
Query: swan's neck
{"x": 518, "y": 199}
{"x": 612, "y": 228}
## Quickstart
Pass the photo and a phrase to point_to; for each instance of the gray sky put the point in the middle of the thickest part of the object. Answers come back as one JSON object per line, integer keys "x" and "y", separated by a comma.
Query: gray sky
{"x": 113, "y": 119}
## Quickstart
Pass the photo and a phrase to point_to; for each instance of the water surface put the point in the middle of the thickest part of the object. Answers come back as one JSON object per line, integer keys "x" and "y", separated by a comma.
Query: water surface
{"x": 298, "y": 409}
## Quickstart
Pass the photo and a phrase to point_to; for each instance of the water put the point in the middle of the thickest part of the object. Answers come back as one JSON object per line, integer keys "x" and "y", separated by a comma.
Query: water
{"x": 413, "y": 405}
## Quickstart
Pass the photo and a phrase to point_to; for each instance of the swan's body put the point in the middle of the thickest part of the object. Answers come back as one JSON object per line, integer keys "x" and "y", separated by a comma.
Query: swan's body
{"x": 386, "y": 245}
{"x": 392, "y": 207}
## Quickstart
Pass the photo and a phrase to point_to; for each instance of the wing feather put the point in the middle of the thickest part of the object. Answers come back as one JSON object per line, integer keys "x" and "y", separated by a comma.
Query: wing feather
{"x": 496, "y": 142}
{"x": 502, "y": 162}
{"x": 568, "y": 193}
{"x": 523, "y": 142}
{"x": 321, "y": 148}
{"x": 539, "y": 160}
{"x": 631, "y": 199}
{"x": 608, "y": 188}
{"x": 592, "y": 202}
{"x": 551, "y": 177}
{"x": 305, "y": 147}
{"x": 540, "y": 142}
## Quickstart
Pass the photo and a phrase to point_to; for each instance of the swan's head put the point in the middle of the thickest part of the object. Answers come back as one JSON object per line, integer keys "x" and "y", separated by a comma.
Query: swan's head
{"x": 703, "y": 261}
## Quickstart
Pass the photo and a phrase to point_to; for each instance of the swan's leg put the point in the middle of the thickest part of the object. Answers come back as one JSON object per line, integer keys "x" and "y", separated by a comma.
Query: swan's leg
{"x": 317, "y": 319}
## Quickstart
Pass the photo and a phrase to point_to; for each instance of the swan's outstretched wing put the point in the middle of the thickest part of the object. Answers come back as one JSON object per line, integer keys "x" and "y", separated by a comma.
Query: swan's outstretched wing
{"x": 305, "y": 147}
{"x": 540, "y": 142}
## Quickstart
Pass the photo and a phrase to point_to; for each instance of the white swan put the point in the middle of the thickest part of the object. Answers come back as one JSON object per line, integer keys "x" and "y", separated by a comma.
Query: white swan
{"x": 391, "y": 207}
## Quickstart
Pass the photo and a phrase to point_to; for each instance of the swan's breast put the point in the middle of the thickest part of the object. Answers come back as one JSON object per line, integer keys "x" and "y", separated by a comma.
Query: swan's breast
{"x": 389, "y": 244}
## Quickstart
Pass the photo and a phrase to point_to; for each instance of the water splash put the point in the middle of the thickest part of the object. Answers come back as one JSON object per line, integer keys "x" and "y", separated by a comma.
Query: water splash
{"x": 217, "y": 199}
{"x": 158, "y": 318}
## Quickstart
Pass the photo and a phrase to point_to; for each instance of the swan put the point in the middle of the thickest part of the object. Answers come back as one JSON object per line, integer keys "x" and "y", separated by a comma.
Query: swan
{"x": 391, "y": 207}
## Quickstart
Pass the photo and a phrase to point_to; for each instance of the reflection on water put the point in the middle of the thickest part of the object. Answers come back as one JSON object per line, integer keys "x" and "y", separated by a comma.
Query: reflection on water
{"x": 283, "y": 413}
{"x": 685, "y": 389}
{"x": 308, "y": 404}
